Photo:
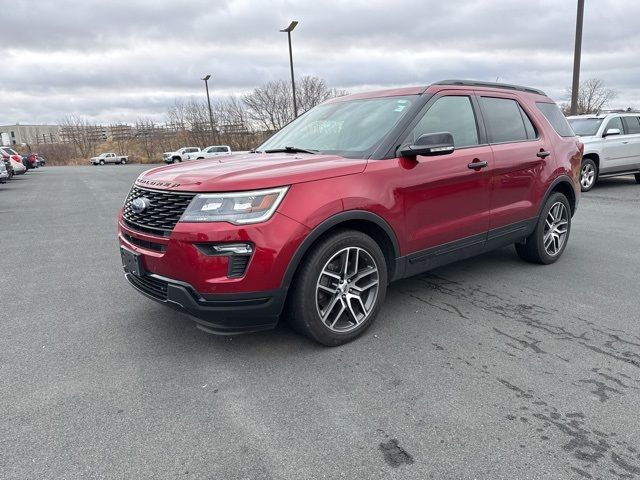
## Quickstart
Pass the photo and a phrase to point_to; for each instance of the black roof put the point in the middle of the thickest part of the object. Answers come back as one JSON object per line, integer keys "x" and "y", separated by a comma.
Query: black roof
{"x": 474, "y": 83}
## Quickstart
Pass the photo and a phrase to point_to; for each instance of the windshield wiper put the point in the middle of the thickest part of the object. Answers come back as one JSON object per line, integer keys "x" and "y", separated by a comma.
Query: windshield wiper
{"x": 291, "y": 150}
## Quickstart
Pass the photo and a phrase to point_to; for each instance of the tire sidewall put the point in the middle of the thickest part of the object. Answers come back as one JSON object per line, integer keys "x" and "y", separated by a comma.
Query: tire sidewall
{"x": 306, "y": 291}
{"x": 552, "y": 200}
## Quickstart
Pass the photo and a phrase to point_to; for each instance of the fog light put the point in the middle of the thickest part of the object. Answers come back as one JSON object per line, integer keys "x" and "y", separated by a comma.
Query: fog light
{"x": 233, "y": 249}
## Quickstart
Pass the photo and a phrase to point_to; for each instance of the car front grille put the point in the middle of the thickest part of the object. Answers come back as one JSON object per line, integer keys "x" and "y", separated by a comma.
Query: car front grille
{"x": 163, "y": 212}
{"x": 152, "y": 286}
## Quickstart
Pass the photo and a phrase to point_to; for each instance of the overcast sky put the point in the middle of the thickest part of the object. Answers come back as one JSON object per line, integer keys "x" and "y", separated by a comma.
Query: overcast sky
{"x": 117, "y": 60}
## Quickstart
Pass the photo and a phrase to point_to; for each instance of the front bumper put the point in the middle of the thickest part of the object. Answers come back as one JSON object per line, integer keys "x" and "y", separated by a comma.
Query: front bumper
{"x": 220, "y": 314}
{"x": 179, "y": 272}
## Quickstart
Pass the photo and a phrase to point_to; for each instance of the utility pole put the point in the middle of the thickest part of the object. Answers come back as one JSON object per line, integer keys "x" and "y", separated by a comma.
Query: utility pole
{"x": 576, "y": 59}
{"x": 289, "y": 29}
{"x": 206, "y": 86}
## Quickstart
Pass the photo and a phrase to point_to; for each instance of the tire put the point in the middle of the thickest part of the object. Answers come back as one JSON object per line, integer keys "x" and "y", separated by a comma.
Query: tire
{"x": 588, "y": 174}
{"x": 177, "y": 159}
{"x": 123, "y": 162}
{"x": 101, "y": 162}
{"x": 348, "y": 311}
{"x": 534, "y": 249}
{"x": 637, "y": 177}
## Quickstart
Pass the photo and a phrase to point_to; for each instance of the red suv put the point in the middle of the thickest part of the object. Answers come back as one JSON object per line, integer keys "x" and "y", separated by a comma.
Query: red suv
{"x": 357, "y": 192}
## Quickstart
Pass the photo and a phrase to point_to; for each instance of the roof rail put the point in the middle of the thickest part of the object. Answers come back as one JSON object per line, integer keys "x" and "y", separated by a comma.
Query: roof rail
{"x": 606, "y": 111}
{"x": 474, "y": 83}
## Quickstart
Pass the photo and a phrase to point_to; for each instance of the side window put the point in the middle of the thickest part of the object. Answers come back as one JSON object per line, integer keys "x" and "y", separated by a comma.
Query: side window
{"x": 528, "y": 125}
{"x": 453, "y": 114}
{"x": 615, "y": 122}
{"x": 506, "y": 120}
{"x": 632, "y": 124}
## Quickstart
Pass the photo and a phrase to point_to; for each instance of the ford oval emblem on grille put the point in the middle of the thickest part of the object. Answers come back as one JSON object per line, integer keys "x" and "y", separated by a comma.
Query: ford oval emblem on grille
{"x": 139, "y": 205}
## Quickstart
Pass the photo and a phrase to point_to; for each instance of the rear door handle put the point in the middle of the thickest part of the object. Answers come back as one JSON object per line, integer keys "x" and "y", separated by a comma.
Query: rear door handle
{"x": 478, "y": 165}
{"x": 543, "y": 154}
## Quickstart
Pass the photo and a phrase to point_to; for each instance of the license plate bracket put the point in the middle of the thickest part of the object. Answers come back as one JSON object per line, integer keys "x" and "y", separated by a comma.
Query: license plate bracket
{"x": 132, "y": 262}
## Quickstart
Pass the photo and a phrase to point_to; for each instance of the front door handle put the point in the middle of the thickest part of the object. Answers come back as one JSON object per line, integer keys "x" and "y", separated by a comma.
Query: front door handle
{"x": 477, "y": 165}
{"x": 543, "y": 154}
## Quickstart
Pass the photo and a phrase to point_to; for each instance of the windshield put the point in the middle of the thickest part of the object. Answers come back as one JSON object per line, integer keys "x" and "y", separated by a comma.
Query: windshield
{"x": 351, "y": 129}
{"x": 585, "y": 127}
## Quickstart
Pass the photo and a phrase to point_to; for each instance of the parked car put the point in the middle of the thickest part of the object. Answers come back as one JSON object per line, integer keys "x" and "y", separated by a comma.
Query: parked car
{"x": 4, "y": 174}
{"x": 109, "y": 158}
{"x": 41, "y": 161}
{"x": 8, "y": 152}
{"x": 359, "y": 191}
{"x": 611, "y": 146}
{"x": 179, "y": 155}
{"x": 17, "y": 167}
{"x": 8, "y": 166}
{"x": 209, "y": 152}
{"x": 30, "y": 160}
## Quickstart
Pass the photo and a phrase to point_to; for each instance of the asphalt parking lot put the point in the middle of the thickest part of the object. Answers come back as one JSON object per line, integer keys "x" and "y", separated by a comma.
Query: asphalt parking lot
{"x": 486, "y": 369}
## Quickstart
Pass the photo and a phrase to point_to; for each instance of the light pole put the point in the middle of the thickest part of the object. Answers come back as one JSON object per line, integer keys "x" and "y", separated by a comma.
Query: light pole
{"x": 206, "y": 85}
{"x": 576, "y": 59}
{"x": 289, "y": 29}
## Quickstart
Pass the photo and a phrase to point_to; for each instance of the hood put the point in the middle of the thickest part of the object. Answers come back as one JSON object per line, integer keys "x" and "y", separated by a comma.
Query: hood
{"x": 249, "y": 172}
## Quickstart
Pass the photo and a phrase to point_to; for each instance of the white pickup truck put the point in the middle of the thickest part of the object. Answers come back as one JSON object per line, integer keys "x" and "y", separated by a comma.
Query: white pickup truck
{"x": 611, "y": 145}
{"x": 109, "y": 158}
{"x": 179, "y": 155}
{"x": 210, "y": 152}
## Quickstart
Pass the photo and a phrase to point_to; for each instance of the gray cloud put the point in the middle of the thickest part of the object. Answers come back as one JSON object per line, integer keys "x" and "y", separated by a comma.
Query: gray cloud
{"x": 119, "y": 60}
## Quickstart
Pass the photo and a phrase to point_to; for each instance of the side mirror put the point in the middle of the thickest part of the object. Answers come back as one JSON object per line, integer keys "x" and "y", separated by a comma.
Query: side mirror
{"x": 612, "y": 131}
{"x": 430, "y": 144}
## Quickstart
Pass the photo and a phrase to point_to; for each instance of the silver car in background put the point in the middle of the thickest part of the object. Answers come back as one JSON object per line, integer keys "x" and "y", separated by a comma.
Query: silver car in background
{"x": 611, "y": 145}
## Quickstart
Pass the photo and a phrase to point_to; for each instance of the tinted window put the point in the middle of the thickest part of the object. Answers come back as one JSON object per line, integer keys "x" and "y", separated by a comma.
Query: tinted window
{"x": 553, "y": 114}
{"x": 453, "y": 114}
{"x": 528, "y": 125}
{"x": 615, "y": 122}
{"x": 506, "y": 123}
{"x": 632, "y": 124}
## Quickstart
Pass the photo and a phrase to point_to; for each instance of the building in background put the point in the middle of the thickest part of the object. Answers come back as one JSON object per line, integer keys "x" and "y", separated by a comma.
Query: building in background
{"x": 30, "y": 134}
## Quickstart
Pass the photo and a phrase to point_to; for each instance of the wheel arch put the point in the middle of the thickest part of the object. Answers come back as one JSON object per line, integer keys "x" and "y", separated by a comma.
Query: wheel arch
{"x": 564, "y": 185}
{"x": 366, "y": 222}
{"x": 593, "y": 156}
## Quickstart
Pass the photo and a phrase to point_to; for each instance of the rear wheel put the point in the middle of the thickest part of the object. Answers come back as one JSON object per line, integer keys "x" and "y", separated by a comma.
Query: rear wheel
{"x": 588, "y": 174}
{"x": 547, "y": 242}
{"x": 123, "y": 161}
{"x": 339, "y": 288}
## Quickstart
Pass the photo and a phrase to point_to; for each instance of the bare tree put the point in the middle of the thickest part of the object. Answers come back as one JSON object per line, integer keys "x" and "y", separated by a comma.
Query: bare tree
{"x": 312, "y": 91}
{"x": 121, "y": 135}
{"x": 82, "y": 134}
{"x": 270, "y": 106}
{"x": 147, "y": 135}
{"x": 593, "y": 96}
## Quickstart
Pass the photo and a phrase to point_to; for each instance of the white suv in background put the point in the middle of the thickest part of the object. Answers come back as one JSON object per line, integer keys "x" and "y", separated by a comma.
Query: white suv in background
{"x": 611, "y": 145}
{"x": 209, "y": 152}
{"x": 179, "y": 155}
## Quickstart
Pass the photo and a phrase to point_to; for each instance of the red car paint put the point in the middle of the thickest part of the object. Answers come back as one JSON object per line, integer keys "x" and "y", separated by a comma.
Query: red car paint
{"x": 426, "y": 201}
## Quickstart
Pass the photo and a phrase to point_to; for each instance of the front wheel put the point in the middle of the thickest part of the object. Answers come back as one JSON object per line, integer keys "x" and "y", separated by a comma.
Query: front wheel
{"x": 588, "y": 174}
{"x": 101, "y": 162}
{"x": 339, "y": 288}
{"x": 638, "y": 177}
{"x": 547, "y": 242}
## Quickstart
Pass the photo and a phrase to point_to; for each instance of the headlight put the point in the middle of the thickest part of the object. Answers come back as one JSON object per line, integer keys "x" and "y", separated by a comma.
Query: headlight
{"x": 238, "y": 208}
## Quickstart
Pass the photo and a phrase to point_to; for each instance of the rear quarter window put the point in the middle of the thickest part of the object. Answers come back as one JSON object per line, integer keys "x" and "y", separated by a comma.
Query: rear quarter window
{"x": 555, "y": 117}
